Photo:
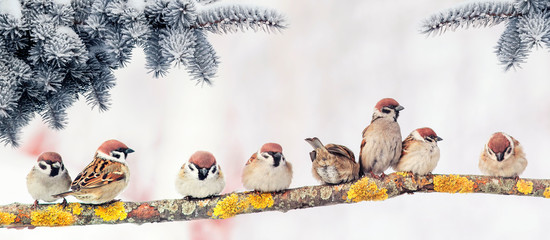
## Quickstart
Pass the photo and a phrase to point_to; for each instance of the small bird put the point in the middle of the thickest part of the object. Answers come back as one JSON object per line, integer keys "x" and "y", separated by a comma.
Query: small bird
{"x": 420, "y": 152}
{"x": 502, "y": 156}
{"x": 332, "y": 164}
{"x": 267, "y": 170}
{"x": 381, "y": 145}
{"x": 47, "y": 178}
{"x": 105, "y": 177}
{"x": 200, "y": 177}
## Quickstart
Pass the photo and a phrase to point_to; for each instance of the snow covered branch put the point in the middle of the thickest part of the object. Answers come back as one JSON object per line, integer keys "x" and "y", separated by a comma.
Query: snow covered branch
{"x": 52, "y": 52}
{"x": 527, "y": 25}
{"x": 219, "y": 207}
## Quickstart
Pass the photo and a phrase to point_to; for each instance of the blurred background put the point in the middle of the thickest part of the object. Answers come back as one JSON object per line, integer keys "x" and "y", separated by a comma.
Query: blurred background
{"x": 320, "y": 77}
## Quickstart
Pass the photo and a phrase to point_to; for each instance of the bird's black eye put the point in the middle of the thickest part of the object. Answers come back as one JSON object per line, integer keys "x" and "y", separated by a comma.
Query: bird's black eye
{"x": 190, "y": 167}
{"x": 42, "y": 165}
{"x": 62, "y": 167}
{"x": 508, "y": 150}
{"x": 213, "y": 169}
{"x": 265, "y": 155}
{"x": 385, "y": 110}
{"x": 429, "y": 139}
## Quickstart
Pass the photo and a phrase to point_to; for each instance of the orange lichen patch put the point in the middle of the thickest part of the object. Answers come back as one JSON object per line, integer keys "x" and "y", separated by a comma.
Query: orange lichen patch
{"x": 453, "y": 184}
{"x": 229, "y": 207}
{"x": 259, "y": 201}
{"x": 546, "y": 193}
{"x": 525, "y": 187}
{"x": 75, "y": 208}
{"x": 366, "y": 190}
{"x": 144, "y": 211}
{"x": 112, "y": 213}
{"x": 53, "y": 216}
{"x": 7, "y": 218}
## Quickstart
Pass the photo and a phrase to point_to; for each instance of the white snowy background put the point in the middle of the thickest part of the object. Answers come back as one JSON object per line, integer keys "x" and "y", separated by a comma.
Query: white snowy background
{"x": 320, "y": 77}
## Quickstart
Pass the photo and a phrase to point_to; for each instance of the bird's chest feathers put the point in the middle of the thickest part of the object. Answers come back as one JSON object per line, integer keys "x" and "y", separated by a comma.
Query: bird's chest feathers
{"x": 329, "y": 173}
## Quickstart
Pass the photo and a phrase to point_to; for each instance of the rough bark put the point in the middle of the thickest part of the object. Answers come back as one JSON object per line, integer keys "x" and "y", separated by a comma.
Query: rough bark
{"x": 366, "y": 189}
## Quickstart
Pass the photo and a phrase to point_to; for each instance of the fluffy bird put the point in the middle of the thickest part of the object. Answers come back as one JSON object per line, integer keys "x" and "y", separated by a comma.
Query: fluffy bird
{"x": 420, "y": 152}
{"x": 200, "y": 177}
{"x": 47, "y": 178}
{"x": 332, "y": 164}
{"x": 105, "y": 177}
{"x": 381, "y": 145}
{"x": 502, "y": 156}
{"x": 267, "y": 170}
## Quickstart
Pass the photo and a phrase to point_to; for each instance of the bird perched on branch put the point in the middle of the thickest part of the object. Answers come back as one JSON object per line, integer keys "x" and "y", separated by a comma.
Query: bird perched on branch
{"x": 381, "y": 145}
{"x": 105, "y": 177}
{"x": 502, "y": 156}
{"x": 332, "y": 164}
{"x": 420, "y": 152}
{"x": 267, "y": 170}
{"x": 47, "y": 178}
{"x": 200, "y": 177}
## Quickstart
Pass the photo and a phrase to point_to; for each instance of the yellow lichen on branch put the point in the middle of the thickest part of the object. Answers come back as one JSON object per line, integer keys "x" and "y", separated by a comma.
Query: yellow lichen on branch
{"x": 7, "y": 218}
{"x": 113, "y": 212}
{"x": 453, "y": 184}
{"x": 260, "y": 201}
{"x": 525, "y": 187}
{"x": 546, "y": 193}
{"x": 229, "y": 207}
{"x": 366, "y": 190}
{"x": 54, "y": 215}
{"x": 75, "y": 208}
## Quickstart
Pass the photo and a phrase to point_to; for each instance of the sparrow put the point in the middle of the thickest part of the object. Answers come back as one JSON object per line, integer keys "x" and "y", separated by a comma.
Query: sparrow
{"x": 420, "y": 152}
{"x": 502, "y": 156}
{"x": 105, "y": 177}
{"x": 47, "y": 178}
{"x": 267, "y": 170}
{"x": 381, "y": 145}
{"x": 200, "y": 177}
{"x": 332, "y": 164}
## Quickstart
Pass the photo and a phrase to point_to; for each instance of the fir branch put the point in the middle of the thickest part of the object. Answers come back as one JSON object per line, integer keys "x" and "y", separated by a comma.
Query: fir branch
{"x": 53, "y": 53}
{"x": 224, "y": 19}
{"x": 470, "y": 15}
{"x": 396, "y": 184}
{"x": 528, "y": 26}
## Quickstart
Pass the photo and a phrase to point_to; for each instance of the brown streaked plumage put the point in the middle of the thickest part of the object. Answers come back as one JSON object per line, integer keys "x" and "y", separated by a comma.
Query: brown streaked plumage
{"x": 502, "y": 156}
{"x": 105, "y": 177}
{"x": 332, "y": 164}
{"x": 381, "y": 144}
{"x": 420, "y": 152}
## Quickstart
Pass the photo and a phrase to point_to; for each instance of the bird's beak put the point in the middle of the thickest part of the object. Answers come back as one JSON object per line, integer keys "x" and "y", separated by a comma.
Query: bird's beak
{"x": 276, "y": 159}
{"x": 500, "y": 156}
{"x": 437, "y": 139}
{"x": 399, "y": 108}
{"x": 203, "y": 172}
{"x": 129, "y": 150}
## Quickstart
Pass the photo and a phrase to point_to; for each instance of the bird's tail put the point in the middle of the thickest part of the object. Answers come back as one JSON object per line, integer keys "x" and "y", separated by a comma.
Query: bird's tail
{"x": 315, "y": 142}
{"x": 62, "y": 195}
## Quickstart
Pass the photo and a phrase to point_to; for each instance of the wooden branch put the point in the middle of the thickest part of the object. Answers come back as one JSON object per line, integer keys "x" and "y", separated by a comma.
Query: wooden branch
{"x": 228, "y": 205}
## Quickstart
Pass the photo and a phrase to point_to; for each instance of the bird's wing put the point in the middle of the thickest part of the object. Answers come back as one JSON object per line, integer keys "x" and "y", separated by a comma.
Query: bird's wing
{"x": 340, "y": 150}
{"x": 99, "y": 173}
{"x": 252, "y": 158}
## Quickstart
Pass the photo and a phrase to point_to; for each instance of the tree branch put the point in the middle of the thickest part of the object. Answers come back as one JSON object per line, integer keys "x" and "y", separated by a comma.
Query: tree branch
{"x": 228, "y": 205}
